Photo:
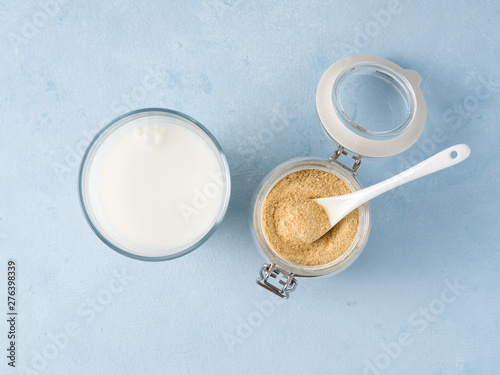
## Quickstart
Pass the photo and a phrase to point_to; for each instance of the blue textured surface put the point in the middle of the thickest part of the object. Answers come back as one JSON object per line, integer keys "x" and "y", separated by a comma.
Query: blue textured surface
{"x": 248, "y": 71}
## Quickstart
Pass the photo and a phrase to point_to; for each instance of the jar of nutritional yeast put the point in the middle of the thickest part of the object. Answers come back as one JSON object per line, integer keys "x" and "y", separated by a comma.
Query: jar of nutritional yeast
{"x": 370, "y": 108}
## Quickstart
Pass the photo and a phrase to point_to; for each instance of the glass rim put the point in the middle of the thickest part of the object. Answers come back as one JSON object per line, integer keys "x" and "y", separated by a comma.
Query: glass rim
{"x": 140, "y": 113}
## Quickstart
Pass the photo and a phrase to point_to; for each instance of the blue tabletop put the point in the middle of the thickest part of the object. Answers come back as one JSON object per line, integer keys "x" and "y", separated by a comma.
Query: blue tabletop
{"x": 423, "y": 297}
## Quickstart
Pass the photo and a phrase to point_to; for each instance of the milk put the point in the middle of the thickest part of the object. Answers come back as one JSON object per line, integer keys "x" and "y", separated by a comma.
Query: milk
{"x": 156, "y": 186}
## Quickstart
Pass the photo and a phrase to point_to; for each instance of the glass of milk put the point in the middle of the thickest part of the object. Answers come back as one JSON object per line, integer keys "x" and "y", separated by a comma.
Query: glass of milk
{"x": 154, "y": 184}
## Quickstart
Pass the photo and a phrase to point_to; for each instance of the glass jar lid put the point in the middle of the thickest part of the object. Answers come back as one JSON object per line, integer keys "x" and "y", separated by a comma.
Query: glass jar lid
{"x": 371, "y": 106}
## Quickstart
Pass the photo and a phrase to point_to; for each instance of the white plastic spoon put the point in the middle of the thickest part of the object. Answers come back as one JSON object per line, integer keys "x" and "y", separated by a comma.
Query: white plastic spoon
{"x": 340, "y": 206}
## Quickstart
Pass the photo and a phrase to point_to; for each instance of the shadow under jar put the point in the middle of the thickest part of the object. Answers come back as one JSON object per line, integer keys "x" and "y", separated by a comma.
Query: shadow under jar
{"x": 370, "y": 108}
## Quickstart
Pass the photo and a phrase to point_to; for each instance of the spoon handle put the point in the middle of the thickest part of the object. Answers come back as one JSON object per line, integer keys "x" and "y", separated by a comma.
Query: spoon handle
{"x": 340, "y": 206}
{"x": 442, "y": 160}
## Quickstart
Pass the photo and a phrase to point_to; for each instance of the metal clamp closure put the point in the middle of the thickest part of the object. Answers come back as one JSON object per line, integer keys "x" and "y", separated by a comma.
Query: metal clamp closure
{"x": 285, "y": 279}
{"x": 340, "y": 151}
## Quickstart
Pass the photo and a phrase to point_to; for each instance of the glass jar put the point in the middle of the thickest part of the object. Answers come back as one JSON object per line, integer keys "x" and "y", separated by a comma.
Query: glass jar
{"x": 370, "y": 108}
{"x": 91, "y": 164}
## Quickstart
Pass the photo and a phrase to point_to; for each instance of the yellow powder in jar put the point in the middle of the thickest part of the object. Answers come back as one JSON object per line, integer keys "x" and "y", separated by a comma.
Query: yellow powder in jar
{"x": 290, "y": 200}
